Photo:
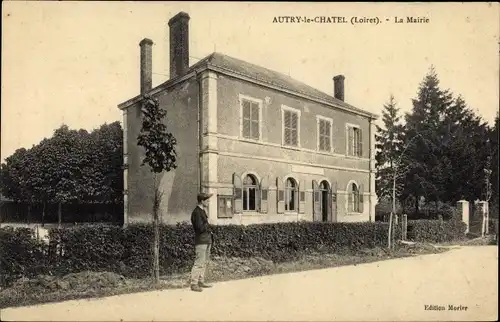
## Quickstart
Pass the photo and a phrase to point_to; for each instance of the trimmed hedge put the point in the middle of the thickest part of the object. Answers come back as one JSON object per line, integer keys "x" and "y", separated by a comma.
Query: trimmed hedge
{"x": 127, "y": 251}
{"x": 21, "y": 255}
{"x": 436, "y": 230}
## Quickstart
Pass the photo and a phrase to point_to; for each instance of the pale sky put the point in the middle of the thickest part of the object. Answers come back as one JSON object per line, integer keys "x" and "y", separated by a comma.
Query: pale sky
{"x": 74, "y": 62}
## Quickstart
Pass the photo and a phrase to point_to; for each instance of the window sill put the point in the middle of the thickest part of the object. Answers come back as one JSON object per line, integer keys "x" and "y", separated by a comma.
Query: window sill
{"x": 291, "y": 147}
{"x": 330, "y": 153}
{"x": 248, "y": 140}
{"x": 289, "y": 213}
{"x": 354, "y": 157}
{"x": 250, "y": 214}
{"x": 354, "y": 214}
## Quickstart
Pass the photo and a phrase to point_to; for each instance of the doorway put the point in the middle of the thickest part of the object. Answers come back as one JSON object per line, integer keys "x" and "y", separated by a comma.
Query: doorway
{"x": 324, "y": 188}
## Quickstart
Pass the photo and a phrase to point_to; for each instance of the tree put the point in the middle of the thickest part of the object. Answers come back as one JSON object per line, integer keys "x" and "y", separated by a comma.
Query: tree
{"x": 388, "y": 143}
{"x": 71, "y": 166}
{"x": 493, "y": 152}
{"x": 424, "y": 160}
{"x": 160, "y": 155}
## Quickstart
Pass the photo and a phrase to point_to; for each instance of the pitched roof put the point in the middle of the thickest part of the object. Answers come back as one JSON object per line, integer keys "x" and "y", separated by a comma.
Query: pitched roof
{"x": 264, "y": 75}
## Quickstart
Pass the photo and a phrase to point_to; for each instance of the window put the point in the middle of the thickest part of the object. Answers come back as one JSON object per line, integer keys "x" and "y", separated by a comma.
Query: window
{"x": 291, "y": 126}
{"x": 225, "y": 204}
{"x": 353, "y": 198}
{"x": 250, "y": 193}
{"x": 354, "y": 141}
{"x": 291, "y": 192}
{"x": 324, "y": 134}
{"x": 250, "y": 118}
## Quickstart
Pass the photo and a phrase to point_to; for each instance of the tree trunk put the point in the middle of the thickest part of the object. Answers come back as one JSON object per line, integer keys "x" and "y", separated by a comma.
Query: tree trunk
{"x": 59, "y": 216}
{"x": 156, "y": 231}
{"x": 43, "y": 214}
{"x": 28, "y": 217}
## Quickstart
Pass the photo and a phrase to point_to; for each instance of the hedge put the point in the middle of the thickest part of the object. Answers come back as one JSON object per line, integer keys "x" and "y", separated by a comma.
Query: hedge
{"x": 436, "y": 230}
{"x": 127, "y": 251}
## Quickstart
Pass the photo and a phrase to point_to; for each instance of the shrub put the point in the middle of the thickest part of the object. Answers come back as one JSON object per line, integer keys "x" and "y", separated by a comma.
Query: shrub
{"x": 128, "y": 251}
{"x": 436, "y": 230}
{"x": 22, "y": 256}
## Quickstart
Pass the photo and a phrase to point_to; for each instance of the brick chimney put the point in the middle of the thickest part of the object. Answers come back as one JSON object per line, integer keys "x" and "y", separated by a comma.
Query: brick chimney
{"x": 146, "y": 65}
{"x": 179, "y": 44}
{"x": 338, "y": 87}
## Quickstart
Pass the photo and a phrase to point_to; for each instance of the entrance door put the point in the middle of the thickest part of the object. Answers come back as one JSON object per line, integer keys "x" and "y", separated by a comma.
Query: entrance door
{"x": 325, "y": 201}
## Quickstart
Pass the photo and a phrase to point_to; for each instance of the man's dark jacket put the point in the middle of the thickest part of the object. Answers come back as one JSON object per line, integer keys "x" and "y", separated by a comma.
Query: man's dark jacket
{"x": 202, "y": 233}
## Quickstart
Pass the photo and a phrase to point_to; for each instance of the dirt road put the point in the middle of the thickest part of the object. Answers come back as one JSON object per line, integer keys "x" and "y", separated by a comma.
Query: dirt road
{"x": 420, "y": 288}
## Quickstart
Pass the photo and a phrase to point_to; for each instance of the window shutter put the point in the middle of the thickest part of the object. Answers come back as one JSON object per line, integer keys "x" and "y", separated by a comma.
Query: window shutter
{"x": 328, "y": 143}
{"x": 294, "y": 125}
{"x": 361, "y": 199}
{"x": 280, "y": 195}
{"x": 350, "y": 139}
{"x": 238, "y": 200}
{"x": 329, "y": 204}
{"x": 264, "y": 189}
{"x": 334, "y": 199}
{"x": 316, "y": 201}
{"x": 360, "y": 143}
{"x": 350, "y": 198}
{"x": 302, "y": 196}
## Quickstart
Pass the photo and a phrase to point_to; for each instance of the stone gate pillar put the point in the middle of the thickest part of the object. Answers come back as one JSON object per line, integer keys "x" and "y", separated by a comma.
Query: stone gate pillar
{"x": 463, "y": 210}
{"x": 482, "y": 210}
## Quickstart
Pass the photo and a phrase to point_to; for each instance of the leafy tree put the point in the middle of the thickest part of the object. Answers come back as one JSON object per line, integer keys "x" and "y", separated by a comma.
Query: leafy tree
{"x": 72, "y": 166}
{"x": 160, "y": 155}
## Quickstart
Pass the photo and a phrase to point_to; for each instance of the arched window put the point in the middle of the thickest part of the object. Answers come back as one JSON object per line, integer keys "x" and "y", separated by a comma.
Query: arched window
{"x": 291, "y": 195}
{"x": 353, "y": 202}
{"x": 250, "y": 193}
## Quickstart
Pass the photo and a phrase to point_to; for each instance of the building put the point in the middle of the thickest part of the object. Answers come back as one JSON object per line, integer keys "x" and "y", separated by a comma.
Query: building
{"x": 269, "y": 147}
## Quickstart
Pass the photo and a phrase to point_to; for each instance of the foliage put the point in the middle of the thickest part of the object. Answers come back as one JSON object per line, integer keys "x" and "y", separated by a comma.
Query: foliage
{"x": 71, "y": 166}
{"x": 127, "y": 251}
{"x": 389, "y": 146}
{"x": 158, "y": 143}
{"x": 446, "y": 159}
{"x": 21, "y": 254}
{"x": 436, "y": 230}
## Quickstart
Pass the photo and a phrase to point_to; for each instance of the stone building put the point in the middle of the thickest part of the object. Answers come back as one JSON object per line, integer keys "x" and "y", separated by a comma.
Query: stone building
{"x": 270, "y": 148}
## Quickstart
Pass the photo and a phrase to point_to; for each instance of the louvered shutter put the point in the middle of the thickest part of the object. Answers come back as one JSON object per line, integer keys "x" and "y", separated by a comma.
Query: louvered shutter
{"x": 246, "y": 122}
{"x": 280, "y": 195}
{"x": 294, "y": 126}
{"x": 328, "y": 129}
{"x": 302, "y": 197}
{"x": 255, "y": 130}
{"x": 350, "y": 140}
{"x": 361, "y": 199}
{"x": 360, "y": 146}
{"x": 264, "y": 190}
{"x": 321, "y": 135}
{"x": 316, "y": 201}
{"x": 334, "y": 200}
{"x": 286, "y": 125}
{"x": 350, "y": 200}
{"x": 238, "y": 200}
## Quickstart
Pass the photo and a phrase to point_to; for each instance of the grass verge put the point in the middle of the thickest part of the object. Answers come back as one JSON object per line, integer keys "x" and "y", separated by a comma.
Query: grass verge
{"x": 87, "y": 285}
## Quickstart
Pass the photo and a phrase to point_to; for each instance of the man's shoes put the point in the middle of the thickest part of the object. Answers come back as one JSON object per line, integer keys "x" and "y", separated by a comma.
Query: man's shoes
{"x": 196, "y": 288}
{"x": 203, "y": 285}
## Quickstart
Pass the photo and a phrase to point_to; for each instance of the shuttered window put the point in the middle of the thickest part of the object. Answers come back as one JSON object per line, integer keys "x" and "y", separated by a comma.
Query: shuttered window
{"x": 290, "y": 128}
{"x": 354, "y": 199}
{"x": 250, "y": 119}
{"x": 324, "y": 135}
{"x": 354, "y": 141}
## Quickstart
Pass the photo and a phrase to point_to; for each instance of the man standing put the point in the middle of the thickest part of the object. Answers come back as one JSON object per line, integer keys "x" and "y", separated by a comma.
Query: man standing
{"x": 202, "y": 241}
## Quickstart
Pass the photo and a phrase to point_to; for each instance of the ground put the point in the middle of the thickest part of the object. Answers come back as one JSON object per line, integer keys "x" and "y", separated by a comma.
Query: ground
{"x": 395, "y": 290}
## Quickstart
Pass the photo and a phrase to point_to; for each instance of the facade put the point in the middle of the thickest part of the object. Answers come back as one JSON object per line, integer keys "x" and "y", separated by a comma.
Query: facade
{"x": 270, "y": 148}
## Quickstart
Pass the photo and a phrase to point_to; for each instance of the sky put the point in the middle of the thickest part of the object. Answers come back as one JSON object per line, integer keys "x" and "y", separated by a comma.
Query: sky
{"x": 74, "y": 62}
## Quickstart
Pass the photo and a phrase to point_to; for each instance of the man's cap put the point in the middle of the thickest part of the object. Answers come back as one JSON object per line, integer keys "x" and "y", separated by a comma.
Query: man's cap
{"x": 204, "y": 196}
